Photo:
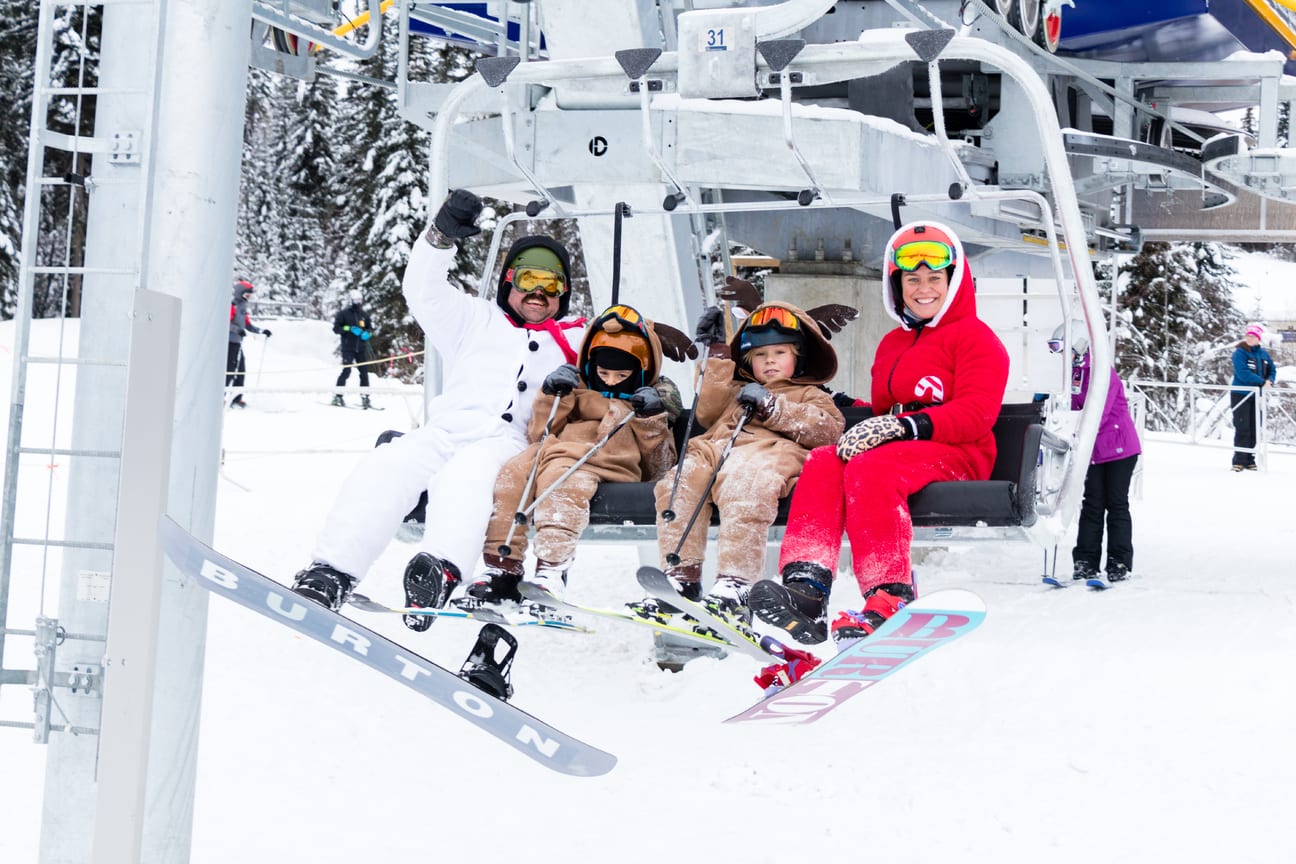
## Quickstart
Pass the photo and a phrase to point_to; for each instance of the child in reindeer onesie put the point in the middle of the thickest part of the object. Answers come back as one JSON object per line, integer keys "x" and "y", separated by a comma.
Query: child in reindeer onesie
{"x": 616, "y": 376}
{"x": 780, "y": 357}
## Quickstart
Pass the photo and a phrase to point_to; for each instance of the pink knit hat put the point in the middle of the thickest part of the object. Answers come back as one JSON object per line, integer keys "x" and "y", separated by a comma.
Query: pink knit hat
{"x": 1257, "y": 331}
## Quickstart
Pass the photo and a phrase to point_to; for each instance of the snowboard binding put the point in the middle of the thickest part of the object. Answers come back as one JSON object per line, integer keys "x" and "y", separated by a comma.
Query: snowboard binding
{"x": 484, "y": 669}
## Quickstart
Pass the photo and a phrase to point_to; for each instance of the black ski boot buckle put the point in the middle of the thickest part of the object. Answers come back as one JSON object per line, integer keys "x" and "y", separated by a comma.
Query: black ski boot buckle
{"x": 484, "y": 669}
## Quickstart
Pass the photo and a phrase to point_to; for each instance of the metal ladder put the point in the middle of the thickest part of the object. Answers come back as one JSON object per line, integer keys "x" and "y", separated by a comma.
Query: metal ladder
{"x": 69, "y": 166}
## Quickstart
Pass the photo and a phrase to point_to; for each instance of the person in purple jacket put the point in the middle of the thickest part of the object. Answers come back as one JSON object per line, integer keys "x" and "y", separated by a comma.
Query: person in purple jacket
{"x": 1111, "y": 468}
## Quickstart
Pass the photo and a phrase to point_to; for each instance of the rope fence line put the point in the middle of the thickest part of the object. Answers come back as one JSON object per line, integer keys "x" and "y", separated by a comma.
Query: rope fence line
{"x": 390, "y": 360}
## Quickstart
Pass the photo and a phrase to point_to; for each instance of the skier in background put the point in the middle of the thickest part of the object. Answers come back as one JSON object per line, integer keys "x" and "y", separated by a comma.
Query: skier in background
{"x": 353, "y": 326}
{"x": 496, "y": 355}
{"x": 1252, "y": 367}
{"x": 1111, "y": 468}
{"x": 240, "y": 324}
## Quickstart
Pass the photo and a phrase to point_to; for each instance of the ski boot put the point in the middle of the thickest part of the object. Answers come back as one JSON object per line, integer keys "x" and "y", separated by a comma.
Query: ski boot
{"x": 1117, "y": 572}
{"x": 324, "y": 585}
{"x": 880, "y": 603}
{"x": 429, "y": 582}
{"x": 364, "y": 403}
{"x": 550, "y": 577}
{"x": 800, "y": 605}
{"x": 338, "y": 401}
{"x": 498, "y": 583}
{"x": 728, "y": 598}
{"x": 483, "y": 669}
{"x": 1084, "y": 571}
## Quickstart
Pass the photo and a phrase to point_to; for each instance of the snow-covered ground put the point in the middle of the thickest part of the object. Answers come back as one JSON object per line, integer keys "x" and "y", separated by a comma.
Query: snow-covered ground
{"x": 1150, "y": 722}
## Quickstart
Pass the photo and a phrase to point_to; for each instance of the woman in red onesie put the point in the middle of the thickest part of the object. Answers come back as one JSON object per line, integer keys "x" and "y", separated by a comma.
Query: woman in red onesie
{"x": 938, "y": 383}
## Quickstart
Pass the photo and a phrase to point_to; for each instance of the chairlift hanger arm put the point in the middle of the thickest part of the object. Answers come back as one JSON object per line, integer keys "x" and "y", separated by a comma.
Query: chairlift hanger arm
{"x": 313, "y": 32}
{"x": 873, "y": 52}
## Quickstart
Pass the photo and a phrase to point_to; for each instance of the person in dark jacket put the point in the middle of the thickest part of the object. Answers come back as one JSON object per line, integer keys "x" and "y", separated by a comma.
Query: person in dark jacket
{"x": 1111, "y": 468}
{"x": 353, "y": 325}
{"x": 240, "y": 324}
{"x": 1252, "y": 367}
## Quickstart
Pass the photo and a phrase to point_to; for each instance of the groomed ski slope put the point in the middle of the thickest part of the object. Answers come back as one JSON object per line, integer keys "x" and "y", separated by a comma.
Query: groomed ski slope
{"x": 1150, "y": 722}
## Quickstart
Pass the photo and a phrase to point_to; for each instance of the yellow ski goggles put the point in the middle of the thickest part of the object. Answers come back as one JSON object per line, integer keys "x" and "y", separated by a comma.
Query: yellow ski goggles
{"x": 528, "y": 280}
{"x": 936, "y": 254}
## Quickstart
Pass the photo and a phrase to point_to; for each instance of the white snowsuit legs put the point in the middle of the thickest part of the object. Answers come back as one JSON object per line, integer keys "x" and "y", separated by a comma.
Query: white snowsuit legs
{"x": 457, "y": 470}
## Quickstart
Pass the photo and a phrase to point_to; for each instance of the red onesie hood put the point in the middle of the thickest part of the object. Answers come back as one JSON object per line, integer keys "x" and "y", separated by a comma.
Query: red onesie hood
{"x": 960, "y": 302}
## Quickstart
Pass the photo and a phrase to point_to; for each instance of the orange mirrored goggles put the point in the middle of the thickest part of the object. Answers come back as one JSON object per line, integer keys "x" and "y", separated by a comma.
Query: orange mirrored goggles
{"x": 774, "y": 315}
{"x": 528, "y": 280}
{"x": 936, "y": 254}
{"x": 627, "y": 315}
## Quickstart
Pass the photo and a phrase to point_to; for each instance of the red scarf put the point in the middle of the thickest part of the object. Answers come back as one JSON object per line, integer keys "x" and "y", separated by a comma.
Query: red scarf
{"x": 554, "y": 329}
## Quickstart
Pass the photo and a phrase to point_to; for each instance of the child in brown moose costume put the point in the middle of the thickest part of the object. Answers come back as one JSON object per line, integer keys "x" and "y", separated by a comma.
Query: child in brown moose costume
{"x": 617, "y": 377}
{"x": 780, "y": 357}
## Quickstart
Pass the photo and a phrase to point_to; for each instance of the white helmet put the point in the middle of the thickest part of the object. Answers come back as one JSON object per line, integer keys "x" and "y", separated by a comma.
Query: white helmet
{"x": 356, "y": 297}
{"x": 1080, "y": 338}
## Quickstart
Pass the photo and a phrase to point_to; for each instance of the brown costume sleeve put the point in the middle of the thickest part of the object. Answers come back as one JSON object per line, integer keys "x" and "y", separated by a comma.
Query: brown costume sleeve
{"x": 716, "y": 398}
{"x": 656, "y": 444}
{"x": 540, "y": 416}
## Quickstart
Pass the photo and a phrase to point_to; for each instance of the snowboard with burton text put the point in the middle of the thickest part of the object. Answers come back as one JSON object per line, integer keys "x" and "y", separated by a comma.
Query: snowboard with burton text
{"x": 532, "y": 737}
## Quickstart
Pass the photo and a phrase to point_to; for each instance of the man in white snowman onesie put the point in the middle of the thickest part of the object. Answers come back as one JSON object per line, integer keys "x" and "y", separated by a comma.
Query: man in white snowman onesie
{"x": 495, "y": 357}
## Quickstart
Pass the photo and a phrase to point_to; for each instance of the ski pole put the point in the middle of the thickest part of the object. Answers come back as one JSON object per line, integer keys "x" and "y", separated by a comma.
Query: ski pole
{"x": 261, "y": 362}
{"x": 505, "y": 550}
{"x": 597, "y": 446}
{"x": 668, "y": 515}
{"x": 673, "y": 558}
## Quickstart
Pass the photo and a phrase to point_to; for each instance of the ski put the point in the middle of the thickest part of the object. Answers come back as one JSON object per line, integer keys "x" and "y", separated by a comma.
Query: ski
{"x": 737, "y": 633}
{"x": 483, "y": 614}
{"x": 1096, "y": 584}
{"x": 532, "y": 737}
{"x": 1054, "y": 582}
{"x": 539, "y": 595}
{"x": 917, "y": 629}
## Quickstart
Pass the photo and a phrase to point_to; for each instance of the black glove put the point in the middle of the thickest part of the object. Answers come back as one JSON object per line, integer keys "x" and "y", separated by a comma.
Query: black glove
{"x": 647, "y": 402}
{"x": 710, "y": 327}
{"x": 756, "y": 397}
{"x": 843, "y": 400}
{"x": 561, "y": 381}
{"x": 265, "y": 333}
{"x": 458, "y": 215}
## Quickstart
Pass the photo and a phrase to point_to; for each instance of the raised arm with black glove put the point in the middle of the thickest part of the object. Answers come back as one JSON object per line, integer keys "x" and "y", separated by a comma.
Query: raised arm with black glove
{"x": 457, "y": 218}
{"x": 710, "y": 327}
